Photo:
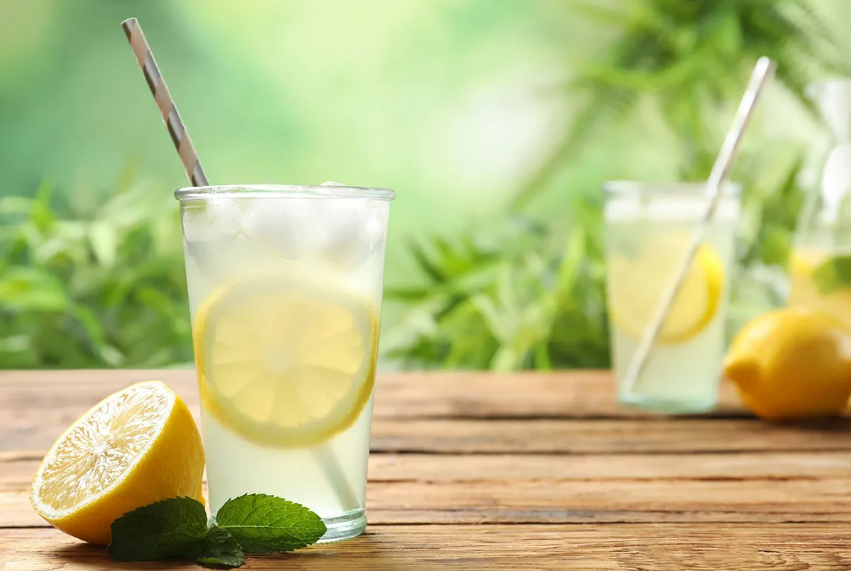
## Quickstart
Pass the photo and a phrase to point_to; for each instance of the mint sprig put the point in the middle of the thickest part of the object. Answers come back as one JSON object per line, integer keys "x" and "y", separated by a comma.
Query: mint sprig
{"x": 833, "y": 274}
{"x": 177, "y": 527}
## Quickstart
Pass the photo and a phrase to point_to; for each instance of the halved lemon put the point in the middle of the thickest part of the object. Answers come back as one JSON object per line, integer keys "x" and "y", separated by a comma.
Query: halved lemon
{"x": 284, "y": 362}
{"x": 637, "y": 284}
{"x": 136, "y": 447}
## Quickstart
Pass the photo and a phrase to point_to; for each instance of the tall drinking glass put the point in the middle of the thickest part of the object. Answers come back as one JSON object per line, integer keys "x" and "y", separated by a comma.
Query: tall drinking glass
{"x": 648, "y": 228}
{"x": 285, "y": 296}
{"x": 820, "y": 262}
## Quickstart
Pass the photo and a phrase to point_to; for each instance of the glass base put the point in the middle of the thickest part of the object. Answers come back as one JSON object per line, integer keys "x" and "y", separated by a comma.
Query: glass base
{"x": 346, "y": 526}
{"x": 655, "y": 404}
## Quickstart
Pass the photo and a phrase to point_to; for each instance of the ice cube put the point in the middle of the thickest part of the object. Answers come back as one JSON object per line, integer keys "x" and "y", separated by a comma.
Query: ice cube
{"x": 288, "y": 226}
{"x": 216, "y": 219}
{"x": 214, "y": 262}
{"x": 350, "y": 232}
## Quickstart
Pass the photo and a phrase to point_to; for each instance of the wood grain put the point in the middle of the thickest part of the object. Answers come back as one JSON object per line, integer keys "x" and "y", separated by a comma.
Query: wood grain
{"x": 650, "y": 436}
{"x": 654, "y": 501}
{"x": 18, "y": 468}
{"x": 36, "y": 407}
{"x": 547, "y": 547}
{"x": 37, "y": 431}
{"x": 456, "y": 412}
{"x": 407, "y": 489}
{"x": 576, "y": 394}
{"x": 484, "y": 471}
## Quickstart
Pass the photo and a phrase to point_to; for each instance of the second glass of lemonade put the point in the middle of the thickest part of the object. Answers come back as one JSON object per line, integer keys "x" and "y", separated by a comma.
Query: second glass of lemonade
{"x": 648, "y": 228}
{"x": 820, "y": 262}
{"x": 285, "y": 295}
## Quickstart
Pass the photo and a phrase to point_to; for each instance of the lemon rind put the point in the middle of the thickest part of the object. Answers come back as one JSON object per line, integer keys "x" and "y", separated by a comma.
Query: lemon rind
{"x": 52, "y": 514}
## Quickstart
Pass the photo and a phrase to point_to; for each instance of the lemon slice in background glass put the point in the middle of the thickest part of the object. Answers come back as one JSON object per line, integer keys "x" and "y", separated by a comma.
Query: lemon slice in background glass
{"x": 636, "y": 285}
{"x": 284, "y": 362}
{"x": 134, "y": 448}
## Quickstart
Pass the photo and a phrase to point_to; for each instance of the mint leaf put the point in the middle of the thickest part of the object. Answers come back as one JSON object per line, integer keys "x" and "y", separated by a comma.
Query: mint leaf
{"x": 178, "y": 528}
{"x": 262, "y": 523}
{"x": 217, "y": 548}
{"x": 157, "y": 531}
{"x": 833, "y": 274}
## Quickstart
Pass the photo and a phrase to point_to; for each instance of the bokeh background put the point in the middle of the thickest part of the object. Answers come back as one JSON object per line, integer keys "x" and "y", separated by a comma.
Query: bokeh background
{"x": 495, "y": 122}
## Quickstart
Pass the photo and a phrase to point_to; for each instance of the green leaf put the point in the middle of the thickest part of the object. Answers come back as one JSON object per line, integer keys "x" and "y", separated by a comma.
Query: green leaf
{"x": 32, "y": 290}
{"x": 425, "y": 263}
{"x": 262, "y": 523}
{"x": 41, "y": 216}
{"x": 15, "y": 205}
{"x": 833, "y": 275}
{"x": 104, "y": 241}
{"x": 94, "y": 331}
{"x": 158, "y": 531}
{"x": 218, "y": 548}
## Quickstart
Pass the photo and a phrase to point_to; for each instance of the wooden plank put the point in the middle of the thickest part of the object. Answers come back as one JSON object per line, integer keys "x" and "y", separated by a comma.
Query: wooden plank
{"x": 574, "y": 394}
{"x": 669, "y": 467}
{"x": 36, "y": 431}
{"x": 17, "y": 469}
{"x": 482, "y": 394}
{"x": 33, "y": 429}
{"x": 658, "y": 547}
{"x": 606, "y": 436}
{"x": 650, "y": 501}
{"x": 414, "y": 489}
{"x": 580, "y": 501}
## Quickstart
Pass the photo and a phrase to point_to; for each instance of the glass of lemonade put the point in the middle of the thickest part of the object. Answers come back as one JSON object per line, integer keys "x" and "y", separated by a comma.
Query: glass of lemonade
{"x": 285, "y": 295}
{"x": 648, "y": 228}
{"x": 820, "y": 262}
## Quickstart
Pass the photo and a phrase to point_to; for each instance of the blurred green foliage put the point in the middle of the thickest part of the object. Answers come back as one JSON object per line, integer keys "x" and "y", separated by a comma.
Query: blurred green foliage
{"x": 692, "y": 59}
{"x": 542, "y": 304}
{"x": 103, "y": 288}
{"x": 452, "y": 104}
{"x": 512, "y": 297}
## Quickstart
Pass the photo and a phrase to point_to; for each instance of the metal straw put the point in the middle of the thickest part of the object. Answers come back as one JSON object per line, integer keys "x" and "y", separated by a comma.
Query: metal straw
{"x": 192, "y": 164}
{"x": 762, "y": 73}
{"x": 159, "y": 89}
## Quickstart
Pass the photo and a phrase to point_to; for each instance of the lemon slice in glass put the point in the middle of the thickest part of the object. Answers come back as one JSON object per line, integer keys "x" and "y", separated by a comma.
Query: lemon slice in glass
{"x": 636, "y": 286}
{"x": 283, "y": 362}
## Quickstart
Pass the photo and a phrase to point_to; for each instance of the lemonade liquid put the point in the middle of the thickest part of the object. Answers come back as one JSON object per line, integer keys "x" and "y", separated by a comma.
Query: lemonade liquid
{"x": 285, "y": 291}
{"x": 647, "y": 231}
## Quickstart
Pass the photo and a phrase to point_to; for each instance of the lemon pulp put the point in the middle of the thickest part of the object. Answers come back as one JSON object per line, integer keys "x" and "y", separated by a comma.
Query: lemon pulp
{"x": 136, "y": 447}
{"x": 283, "y": 362}
{"x": 636, "y": 284}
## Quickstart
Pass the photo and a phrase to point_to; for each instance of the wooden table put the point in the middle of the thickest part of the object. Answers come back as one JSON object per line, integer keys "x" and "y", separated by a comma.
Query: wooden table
{"x": 527, "y": 471}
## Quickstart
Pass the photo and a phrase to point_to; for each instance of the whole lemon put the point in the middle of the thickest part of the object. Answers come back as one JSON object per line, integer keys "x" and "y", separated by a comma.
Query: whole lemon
{"x": 792, "y": 363}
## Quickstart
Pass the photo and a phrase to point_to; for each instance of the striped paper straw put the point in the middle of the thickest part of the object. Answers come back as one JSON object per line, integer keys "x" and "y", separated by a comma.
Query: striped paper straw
{"x": 180, "y": 136}
{"x": 171, "y": 118}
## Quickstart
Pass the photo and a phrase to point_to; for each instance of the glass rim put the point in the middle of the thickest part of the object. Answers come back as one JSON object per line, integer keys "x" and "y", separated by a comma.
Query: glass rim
{"x": 627, "y": 187}
{"x": 282, "y": 191}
